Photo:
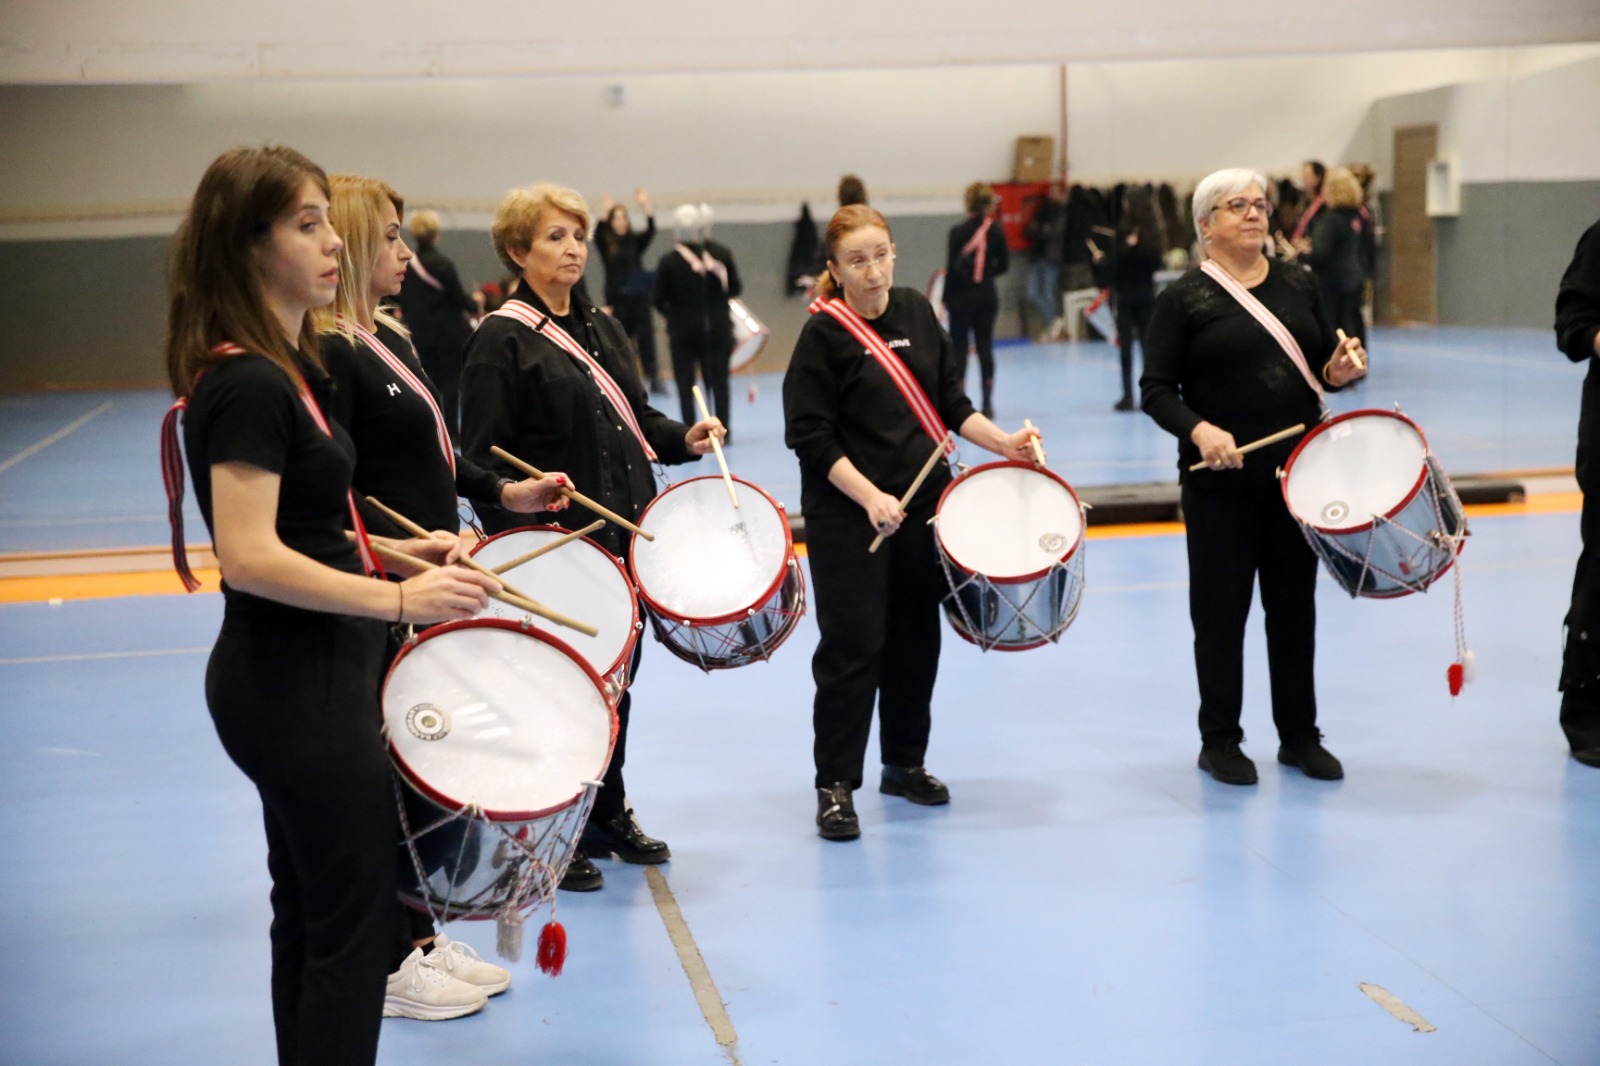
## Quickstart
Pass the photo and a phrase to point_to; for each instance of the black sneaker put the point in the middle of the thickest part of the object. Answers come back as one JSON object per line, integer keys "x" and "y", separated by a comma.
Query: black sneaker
{"x": 836, "y": 813}
{"x": 582, "y": 875}
{"x": 915, "y": 784}
{"x": 1226, "y": 763}
{"x": 621, "y": 836}
{"x": 1311, "y": 759}
{"x": 1589, "y": 756}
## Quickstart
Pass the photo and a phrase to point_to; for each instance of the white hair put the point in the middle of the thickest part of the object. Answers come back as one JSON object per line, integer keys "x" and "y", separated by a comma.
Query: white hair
{"x": 1214, "y": 188}
{"x": 686, "y": 222}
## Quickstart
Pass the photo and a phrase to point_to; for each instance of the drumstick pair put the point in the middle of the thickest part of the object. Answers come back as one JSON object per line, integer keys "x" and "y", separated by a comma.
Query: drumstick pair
{"x": 571, "y": 493}
{"x": 1262, "y": 443}
{"x": 927, "y": 468}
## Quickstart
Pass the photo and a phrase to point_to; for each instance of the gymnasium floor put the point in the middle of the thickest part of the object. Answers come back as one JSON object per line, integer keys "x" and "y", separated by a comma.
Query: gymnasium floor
{"x": 1088, "y": 897}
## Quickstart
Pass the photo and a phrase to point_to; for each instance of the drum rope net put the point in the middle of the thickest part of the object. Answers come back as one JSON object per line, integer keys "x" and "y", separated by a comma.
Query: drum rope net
{"x": 958, "y": 581}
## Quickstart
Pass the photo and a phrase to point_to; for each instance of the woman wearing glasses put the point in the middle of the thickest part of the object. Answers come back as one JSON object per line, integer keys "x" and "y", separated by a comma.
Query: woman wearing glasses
{"x": 1238, "y": 349}
{"x": 868, "y": 354}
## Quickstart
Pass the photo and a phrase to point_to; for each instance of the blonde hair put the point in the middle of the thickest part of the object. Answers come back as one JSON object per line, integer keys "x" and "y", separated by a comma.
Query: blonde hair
{"x": 424, "y": 226}
{"x": 355, "y": 207}
{"x": 518, "y": 215}
{"x": 844, "y": 222}
{"x": 1341, "y": 189}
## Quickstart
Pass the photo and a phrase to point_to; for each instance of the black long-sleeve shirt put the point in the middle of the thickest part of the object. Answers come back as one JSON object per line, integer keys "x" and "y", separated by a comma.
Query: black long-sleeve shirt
{"x": 1578, "y": 299}
{"x": 695, "y": 305}
{"x": 398, "y": 458}
{"x": 1207, "y": 360}
{"x": 437, "y": 318}
{"x": 960, "y": 290}
{"x": 1335, "y": 256}
{"x": 523, "y": 392}
{"x": 623, "y": 256}
{"x": 838, "y": 402}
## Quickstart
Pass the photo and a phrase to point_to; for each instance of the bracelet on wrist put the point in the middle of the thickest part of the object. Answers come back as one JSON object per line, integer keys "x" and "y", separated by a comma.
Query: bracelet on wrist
{"x": 400, "y": 615}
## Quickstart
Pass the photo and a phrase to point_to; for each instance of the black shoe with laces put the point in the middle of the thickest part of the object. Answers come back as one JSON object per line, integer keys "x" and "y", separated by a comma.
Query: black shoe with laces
{"x": 1311, "y": 759}
{"x": 836, "y": 813}
{"x": 621, "y": 836}
{"x": 1227, "y": 764}
{"x": 582, "y": 875}
{"x": 915, "y": 784}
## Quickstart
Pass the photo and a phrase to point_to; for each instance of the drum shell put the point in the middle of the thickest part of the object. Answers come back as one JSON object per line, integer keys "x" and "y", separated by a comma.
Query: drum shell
{"x": 750, "y": 336}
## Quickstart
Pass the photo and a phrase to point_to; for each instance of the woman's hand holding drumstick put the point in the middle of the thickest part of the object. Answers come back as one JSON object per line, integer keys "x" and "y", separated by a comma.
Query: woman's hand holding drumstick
{"x": 441, "y": 581}
{"x": 571, "y": 493}
{"x": 885, "y": 528}
{"x": 1033, "y": 440}
{"x": 1226, "y": 455}
{"x": 1349, "y": 361}
{"x": 716, "y": 446}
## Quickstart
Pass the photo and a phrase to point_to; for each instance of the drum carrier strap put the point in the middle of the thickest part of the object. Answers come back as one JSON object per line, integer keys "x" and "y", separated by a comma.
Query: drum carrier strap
{"x": 1270, "y": 323}
{"x": 398, "y": 365}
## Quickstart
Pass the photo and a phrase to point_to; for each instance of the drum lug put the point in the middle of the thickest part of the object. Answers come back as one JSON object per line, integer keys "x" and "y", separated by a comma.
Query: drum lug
{"x": 1279, "y": 474}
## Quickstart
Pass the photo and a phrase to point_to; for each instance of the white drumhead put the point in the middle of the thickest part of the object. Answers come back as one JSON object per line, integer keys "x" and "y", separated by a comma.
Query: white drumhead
{"x": 1008, "y": 521}
{"x": 484, "y": 713}
{"x": 1353, "y": 469}
{"x": 708, "y": 559}
{"x": 750, "y": 336}
{"x": 579, "y": 580}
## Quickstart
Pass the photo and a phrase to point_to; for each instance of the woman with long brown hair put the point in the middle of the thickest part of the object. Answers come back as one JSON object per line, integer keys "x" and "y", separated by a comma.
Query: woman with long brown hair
{"x": 292, "y": 683}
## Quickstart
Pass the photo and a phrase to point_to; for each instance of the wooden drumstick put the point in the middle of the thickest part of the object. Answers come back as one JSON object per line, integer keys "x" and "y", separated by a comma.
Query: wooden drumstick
{"x": 571, "y": 493}
{"x": 566, "y": 538}
{"x": 927, "y": 468}
{"x": 1038, "y": 451}
{"x": 1355, "y": 356}
{"x": 1262, "y": 443}
{"x": 509, "y": 598}
{"x": 466, "y": 560}
{"x": 716, "y": 446}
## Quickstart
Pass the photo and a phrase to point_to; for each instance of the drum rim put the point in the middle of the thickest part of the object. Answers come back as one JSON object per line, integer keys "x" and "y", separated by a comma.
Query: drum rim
{"x": 1020, "y": 579}
{"x": 451, "y": 803}
{"x": 761, "y": 335}
{"x": 730, "y": 616}
{"x": 635, "y": 625}
{"x": 1315, "y": 431}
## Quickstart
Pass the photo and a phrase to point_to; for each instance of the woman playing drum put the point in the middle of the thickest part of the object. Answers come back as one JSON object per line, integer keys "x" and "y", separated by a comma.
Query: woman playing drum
{"x": 552, "y": 380}
{"x": 292, "y": 684}
{"x": 860, "y": 444}
{"x": 1217, "y": 374}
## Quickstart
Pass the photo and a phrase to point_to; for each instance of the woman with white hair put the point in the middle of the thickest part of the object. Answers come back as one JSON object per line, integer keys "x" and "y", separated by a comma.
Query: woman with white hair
{"x": 694, "y": 283}
{"x": 1238, "y": 349}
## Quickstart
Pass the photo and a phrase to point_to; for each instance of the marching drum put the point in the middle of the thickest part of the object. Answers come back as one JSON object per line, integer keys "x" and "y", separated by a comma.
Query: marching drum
{"x": 500, "y": 735}
{"x": 1010, "y": 538}
{"x": 580, "y": 579}
{"x": 1374, "y": 503}
{"x": 750, "y": 336}
{"x": 721, "y": 586}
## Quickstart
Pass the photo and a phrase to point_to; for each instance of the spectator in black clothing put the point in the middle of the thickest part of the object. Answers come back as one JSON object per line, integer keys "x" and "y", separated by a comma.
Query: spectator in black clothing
{"x": 693, "y": 287}
{"x": 1578, "y": 335}
{"x": 292, "y": 683}
{"x": 1312, "y": 175}
{"x": 1213, "y": 376}
{"x": 860, "y": 446}
{"x": 1335, "y": 252}
{"x": 723, "y": 341}
{"x": 852, "y": 190}
{"x": 629, "y": 284}
{"x": 976, "y": 254}
{"x": 438, "y": 312}
{"x": 553, "y": 380}
{"x": 1136, "y": 253}
{"x": 1047, "y": 235}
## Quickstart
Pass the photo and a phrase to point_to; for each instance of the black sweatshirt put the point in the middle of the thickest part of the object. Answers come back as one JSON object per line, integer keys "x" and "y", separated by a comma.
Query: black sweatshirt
{"x": 839, "y": 402}
{"x": 623, "y": 257}
{"x": 1578, "y": 299}
{"x": 1207, "y": 360}
{"x": 437, "y": 318}
{"x": 398, "y": 458}
{"x": 960, "y": 291}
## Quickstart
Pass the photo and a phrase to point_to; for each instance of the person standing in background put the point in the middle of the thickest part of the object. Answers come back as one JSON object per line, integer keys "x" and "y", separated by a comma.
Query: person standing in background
{"x": 975, "y": 255}
{"x": 692, "y": 292}
{"x": 1335, "y": 253}
{"x": 438, "y": 312}
{"x": 628, "y": 283}
{"x": 1137, "y": 251}
{"x": 720, "y": 352}
{"x": 1047, "y": 234}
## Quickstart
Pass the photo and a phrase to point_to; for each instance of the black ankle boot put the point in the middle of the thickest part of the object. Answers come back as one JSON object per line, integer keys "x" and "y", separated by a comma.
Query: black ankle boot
{"x": 621, "y": 836}
{"x": 836, "y": 813}
{"x": 915, "y": 784}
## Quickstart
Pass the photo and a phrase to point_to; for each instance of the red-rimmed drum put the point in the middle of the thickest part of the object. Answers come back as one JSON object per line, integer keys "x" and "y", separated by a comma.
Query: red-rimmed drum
{"x": 1010, "y": 538}
{"x": 721, "y": 585}
{"x": 750, "y": 336}
{"x": 1374, "y": 503}
{"x": 579, "y": 579}
{"x": 500, "y": 734}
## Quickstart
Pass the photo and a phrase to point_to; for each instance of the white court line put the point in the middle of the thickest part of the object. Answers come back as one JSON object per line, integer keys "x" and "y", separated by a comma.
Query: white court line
{"x": 52, "y": 438}
{"x": 705, "y": 989}
{"x": 90, "y": 656}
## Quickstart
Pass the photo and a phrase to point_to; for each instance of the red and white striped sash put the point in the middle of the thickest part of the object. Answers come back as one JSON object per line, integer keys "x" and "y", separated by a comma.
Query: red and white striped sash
{"x": 172, "y": 478}
{"x": 1268, "y": 320}
{"x": 398, "y": 365}
{"x": 422, "y": 275}
{"x": 703, "y": 263}
{"x": 977, "y": 246}
{"x": 544, "y": 324}
{"x": 927, "y": 415}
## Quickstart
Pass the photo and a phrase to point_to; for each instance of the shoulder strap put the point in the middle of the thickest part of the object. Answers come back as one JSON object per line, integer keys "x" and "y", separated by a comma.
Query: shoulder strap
{"x": 398, "y": 365}
{"x": 927, "y": 415}
{"x": 1268, "y": 320}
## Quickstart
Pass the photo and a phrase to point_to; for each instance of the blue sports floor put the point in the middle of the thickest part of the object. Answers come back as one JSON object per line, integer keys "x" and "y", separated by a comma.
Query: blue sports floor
{"x": 1089, "y": 898}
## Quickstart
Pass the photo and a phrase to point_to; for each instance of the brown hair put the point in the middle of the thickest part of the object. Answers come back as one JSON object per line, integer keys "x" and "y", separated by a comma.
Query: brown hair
{"x": 518, "y": 215}
{"x": 844, "y": 222}
{"x": 355, "y": 207}
{"x": 979, "y": 198}
{"x": 852, "y": 190}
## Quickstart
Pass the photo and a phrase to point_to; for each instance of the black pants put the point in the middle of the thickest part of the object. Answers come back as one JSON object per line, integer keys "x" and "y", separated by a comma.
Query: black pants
{"x": 295, "y": 708}
{"x": 1236, "y": 533}
{"x": 879, "y": 621}
{"x": 710, "y": 358}
{"x": 1343, "y": 307}
{"x": 975, "y": 325}
{"x": 634, "y": 315}
{"x": 612, "y": 799}
{"x": 1133, "y": 318}
{"x": 1580, "y": 662}
{"x": 443, "y": 362}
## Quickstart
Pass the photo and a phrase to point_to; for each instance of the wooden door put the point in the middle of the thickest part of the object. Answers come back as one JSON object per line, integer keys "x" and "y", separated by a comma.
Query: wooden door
{"x": 1411, "y": 245}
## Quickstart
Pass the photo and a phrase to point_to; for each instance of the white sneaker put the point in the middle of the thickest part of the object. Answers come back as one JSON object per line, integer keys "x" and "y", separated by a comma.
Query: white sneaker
{"x": 465, "y": 964}
{"x": 423, "y": 989}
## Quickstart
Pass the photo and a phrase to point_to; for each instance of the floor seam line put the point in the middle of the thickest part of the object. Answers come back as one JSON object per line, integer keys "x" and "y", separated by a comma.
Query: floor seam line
{"x": 70, "y": 427}
{"x": 694, "y": 966}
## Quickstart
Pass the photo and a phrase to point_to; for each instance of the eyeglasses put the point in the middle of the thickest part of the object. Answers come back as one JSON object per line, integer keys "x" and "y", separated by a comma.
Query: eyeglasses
{"x": 1240, "y": 207}
{"x": 883, "y": 260}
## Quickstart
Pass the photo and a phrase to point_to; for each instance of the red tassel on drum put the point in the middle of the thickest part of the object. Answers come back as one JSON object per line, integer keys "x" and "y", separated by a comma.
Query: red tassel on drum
{"x": 552, "y": 948}
{"x": 1456, "y": 675}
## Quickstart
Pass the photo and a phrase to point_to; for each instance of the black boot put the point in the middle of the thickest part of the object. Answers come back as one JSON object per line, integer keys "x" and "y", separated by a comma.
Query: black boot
{"x": 621, "y": 836}
{"x": 915, "y": 784}
{"x": 836, "y": 813}
{"x": 582, "y": 875}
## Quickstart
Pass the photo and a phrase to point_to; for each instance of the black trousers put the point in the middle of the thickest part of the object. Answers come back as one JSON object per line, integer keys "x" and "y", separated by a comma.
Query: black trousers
{"x": 634, "y": 314}
{"x": 1580, "y": 661}
{"x": 612, "y": 799}
{"x": 1235, "y": 535}
{"x": 879, "y": 621}
{"x": 443, "y": 364}
{"x": 975, "y": 326}
{"x": 1343, "y": 307}
{"x": 1133, "y": 318}
{"x": 691, "y": 353}
{"x": 296, "y": 709}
